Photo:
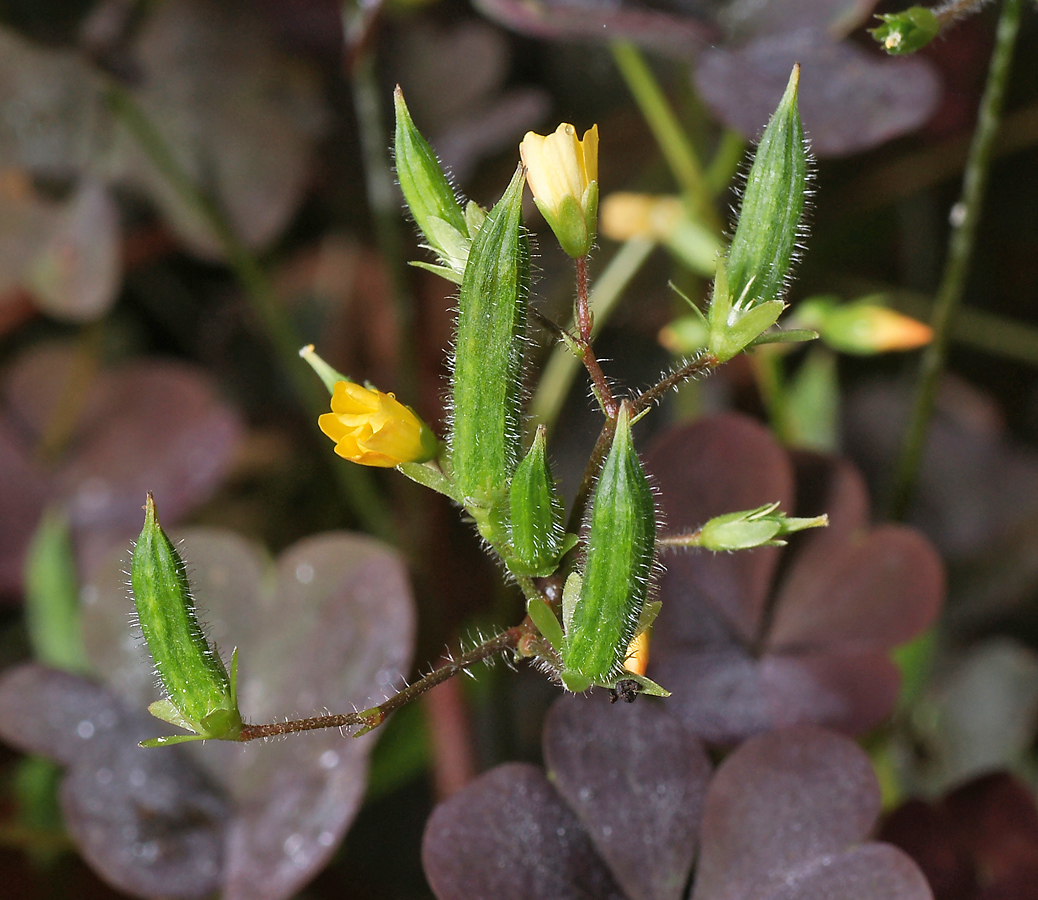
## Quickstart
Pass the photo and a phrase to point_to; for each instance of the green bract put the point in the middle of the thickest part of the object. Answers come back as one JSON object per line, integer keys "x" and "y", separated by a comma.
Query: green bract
{"x": 907, "y": 31}
{"x": 749, "y": 286}
{"x": 487, "y": 374}
{"x": 201, "y": 695}
{"x": 535, "y": 509}
{"x": 761, "y": 527}
{"x": 430, "y": 197}
{"x": 602, "y": 609}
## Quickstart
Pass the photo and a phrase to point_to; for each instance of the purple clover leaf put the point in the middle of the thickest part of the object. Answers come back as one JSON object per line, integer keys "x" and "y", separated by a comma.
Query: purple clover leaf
{"x": 760, "y": 639}
{"x": 329, "y": 625}
{"x": 146, "y": 425}
{"x": 628, "y": 799}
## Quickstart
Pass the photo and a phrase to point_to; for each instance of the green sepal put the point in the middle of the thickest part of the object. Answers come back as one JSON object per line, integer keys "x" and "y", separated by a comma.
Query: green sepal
{"x": 201, "y": 695}
{"x": 646, "y": 685}
{"x": 487, "y": 375}
{"x": 169, "y": 740}
{"x": 906, "y": 31}
{"x": 574, "y": 220}
{"x": 614, "y": 586}
{"x": 167, "y": 711}
{"x": 429, "y": 195}
{"x": 475, "y": 216}
{"x": 546, "y": 621}
{"x": 536, "y": 512}
{"x": 325, "y": 372}
{"x": 764, "y": 244}
{"x": 442, "y": 271}
{"x": 742, "y": 328}
{"x": 785, "y": 336}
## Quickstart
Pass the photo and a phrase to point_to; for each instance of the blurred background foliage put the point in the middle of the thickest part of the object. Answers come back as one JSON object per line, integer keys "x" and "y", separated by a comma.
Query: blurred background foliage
{"x": 190, "y": 190}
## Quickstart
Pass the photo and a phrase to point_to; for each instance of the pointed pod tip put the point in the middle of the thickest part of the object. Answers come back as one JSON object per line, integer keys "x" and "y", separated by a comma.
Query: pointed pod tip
{"x": 150, "y": 512}
{"x": 794, "y": 78}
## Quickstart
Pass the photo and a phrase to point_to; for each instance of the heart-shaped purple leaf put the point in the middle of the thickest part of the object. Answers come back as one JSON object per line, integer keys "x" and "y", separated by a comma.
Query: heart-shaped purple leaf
{"x": 636, "y": 779}
{"x": 150, "y": 823}
{"x": 329, "y": 627}
{"x": 849, "y": 100}
{"x": 785, "y": 816}
{"x": 509, "y": 835}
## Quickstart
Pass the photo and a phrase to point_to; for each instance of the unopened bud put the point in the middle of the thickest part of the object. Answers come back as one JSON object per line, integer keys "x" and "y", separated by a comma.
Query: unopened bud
{"x": 907, "y": 31}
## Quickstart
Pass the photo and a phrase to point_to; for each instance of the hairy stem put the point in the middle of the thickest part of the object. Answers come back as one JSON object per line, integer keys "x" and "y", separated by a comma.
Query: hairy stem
{"x": 368, "y": 719}
{"x": 563, "y": 365}
{"x": 965, "y": 215}
{"x": 584, "y": 350}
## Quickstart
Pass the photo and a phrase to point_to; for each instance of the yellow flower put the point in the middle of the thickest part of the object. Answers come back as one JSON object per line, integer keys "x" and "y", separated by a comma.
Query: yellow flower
{"x": 626, "y": 216}
{"x": 375, "y": 429}
{"x": 562, "y": 172}
{"x": 637, "y": 660}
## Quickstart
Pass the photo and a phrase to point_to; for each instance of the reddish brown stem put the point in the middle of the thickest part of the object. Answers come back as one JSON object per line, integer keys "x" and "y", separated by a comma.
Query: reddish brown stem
{"x": 367, "y": 719}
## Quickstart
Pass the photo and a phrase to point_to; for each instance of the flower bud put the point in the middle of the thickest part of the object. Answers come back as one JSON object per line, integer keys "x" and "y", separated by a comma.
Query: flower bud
{"x": 862, "y": 328}
{"x": 200, "y": 695}
{"x": 603, "y": 608}
{"x": 429, "y": 195}
{"x": 375, "y": 429}
{"x": 487, "y": 376}
{"x": 761, "y": 527}
{"x": 536, "y": 514}
{"x": 562, "y": 172}
{"x": 907, "y": 31}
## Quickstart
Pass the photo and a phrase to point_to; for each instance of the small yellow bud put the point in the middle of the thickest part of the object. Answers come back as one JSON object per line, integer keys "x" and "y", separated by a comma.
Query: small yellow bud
{"x": 882, "y": 330}
{"x": 562, "y": 172}
{"x": 375, "y": 429}
{"x": 626, "y": 216}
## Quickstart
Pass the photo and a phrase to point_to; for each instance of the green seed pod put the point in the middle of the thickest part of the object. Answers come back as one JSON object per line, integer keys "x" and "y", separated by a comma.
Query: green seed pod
{"x": 486, "y": 383}
{"x": 202, "y": 697}
{"x": 907, "y": 31}
{"x": 536, "y": 514}
{"x": 765, "y": 239}
{"x": 429, "y": 195}
{"x": 603, "y": 617}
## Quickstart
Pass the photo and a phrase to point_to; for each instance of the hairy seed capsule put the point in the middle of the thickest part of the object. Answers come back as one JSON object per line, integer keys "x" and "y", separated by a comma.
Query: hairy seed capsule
{"x": 201, "y": 696}
{"x": 488, "y": 354}
{"x": 536, "y": 514}
{"x": 602, "y": 620}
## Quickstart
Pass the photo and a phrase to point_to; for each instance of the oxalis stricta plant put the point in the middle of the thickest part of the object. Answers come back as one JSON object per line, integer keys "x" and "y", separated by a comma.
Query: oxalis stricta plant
{"x": 587, "y": 577}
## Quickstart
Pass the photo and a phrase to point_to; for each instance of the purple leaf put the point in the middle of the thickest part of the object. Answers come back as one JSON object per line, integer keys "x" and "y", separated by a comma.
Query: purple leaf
{"x": 876, "y": 592}
{"x": 148, "y": 822}
{"x": 704, "y": 470}
{"x": 508, "y": 835}
{"x": 636, "y": 780}
{"x": 849, "y": 100}
{"x": 330, "y": 627}
{"x": 743, "y": 655}
{"x": 782, "y": 818}
{"x": 755, "y": 18}
{"x": 677, "y": 36}
{"x": 145, "y": 426}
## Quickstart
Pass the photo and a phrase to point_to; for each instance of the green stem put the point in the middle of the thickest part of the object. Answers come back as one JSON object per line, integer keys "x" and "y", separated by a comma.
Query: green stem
{"x": 357, "y": 485}
{"x": 665, "y": 127}
{"x": 960, "y": 250}
{"x": 562, "y": 365}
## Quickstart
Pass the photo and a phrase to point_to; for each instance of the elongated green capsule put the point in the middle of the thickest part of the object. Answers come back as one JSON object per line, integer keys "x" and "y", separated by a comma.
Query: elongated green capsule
{"x": 429, "y": 195}
{"x": 486, "y": 381}
{"x": 603, "y": 616}
{"x": 536, "y": 514}
{"x": 201, "y": 695}
{"x": 772, "y": 205}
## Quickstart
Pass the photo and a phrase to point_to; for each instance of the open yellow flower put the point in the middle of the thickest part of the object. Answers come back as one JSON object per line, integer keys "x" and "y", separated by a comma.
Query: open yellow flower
{"x": 562, "y": 172}
{"x": 375, "y": 429}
